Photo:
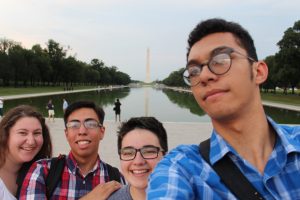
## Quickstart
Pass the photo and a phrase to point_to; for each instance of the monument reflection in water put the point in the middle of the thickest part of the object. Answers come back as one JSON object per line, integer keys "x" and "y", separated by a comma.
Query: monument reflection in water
{"x": 165, "y": 105}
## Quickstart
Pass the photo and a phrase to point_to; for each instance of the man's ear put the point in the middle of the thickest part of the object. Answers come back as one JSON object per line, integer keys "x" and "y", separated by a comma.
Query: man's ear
{"x": 102, "y": 132}
{"x": 261, "y": 72}
{"x": 66, "y": 132}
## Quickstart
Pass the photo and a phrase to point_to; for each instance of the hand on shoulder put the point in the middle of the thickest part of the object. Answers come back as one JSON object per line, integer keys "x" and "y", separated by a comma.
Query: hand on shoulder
{"x": 102, "y": 191}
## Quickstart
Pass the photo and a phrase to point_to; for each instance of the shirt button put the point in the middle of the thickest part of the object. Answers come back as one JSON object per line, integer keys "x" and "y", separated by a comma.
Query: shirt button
{"x": 83, "y": 182}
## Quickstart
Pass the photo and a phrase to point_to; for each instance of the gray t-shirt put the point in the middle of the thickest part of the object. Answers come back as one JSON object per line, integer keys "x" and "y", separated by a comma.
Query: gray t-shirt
{"x": 121, "y": 194}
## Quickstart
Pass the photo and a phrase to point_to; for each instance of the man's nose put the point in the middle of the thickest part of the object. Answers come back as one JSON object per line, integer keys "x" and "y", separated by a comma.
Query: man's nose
{"x": 206, "y": 75}
{"x": 82, "y": 129}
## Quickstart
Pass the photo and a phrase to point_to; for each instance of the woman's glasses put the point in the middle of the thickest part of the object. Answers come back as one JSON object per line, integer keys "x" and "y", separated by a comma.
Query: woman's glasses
{"x": 147, "y": 152}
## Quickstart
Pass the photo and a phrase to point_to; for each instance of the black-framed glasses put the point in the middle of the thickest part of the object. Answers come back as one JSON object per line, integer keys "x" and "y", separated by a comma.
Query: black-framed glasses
{"x": 88, "y": 124}
{"x": 147, "y": 152}
{"x": 218, "y": 64}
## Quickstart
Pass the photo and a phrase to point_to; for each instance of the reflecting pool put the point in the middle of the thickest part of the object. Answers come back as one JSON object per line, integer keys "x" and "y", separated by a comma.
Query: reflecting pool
{"x": 166, "y": 105}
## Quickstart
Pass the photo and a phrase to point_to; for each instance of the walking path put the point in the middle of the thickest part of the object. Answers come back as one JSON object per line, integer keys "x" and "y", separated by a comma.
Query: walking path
{"x": 59, "y": 92}
{"x": 178, "y": 133}
{"x": 280, "y": 105}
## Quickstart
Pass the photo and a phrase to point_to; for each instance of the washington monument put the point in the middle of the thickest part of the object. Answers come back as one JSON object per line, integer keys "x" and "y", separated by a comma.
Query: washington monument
{"x": 148, "y": 67}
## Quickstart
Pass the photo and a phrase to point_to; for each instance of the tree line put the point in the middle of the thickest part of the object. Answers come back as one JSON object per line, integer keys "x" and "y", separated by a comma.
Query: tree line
{"x": 284, "y": 66}
{"x": 50, "y": 66}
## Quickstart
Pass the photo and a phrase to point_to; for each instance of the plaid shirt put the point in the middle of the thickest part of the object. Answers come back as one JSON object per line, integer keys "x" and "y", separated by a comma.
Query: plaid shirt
{"x": 183, "y": 173}
{"x": 73, "y": 184}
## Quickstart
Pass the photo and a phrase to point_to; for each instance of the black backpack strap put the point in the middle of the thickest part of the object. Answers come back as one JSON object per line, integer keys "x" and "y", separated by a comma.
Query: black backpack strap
{"x": 113, "y": 173}
{"x": 55, "y": 174}
{"x": 230, "y": 175}
{"x": 21, "y": 176}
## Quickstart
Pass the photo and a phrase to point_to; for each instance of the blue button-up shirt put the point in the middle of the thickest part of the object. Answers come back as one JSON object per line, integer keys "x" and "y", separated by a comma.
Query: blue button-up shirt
{"x": 183, "y": 173}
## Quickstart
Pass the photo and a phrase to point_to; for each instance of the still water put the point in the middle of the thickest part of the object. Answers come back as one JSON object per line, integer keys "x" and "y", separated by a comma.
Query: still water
{"x": 165, "y": 105}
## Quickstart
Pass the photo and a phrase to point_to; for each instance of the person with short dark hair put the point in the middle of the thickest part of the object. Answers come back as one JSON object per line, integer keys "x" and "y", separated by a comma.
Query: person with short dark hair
{"x": 142, "y": 143}
{"x": 225, "y": 75}
{"x": 117, "y": 110}
{"x": 24, "y": 138}
{"x": 84, "y": 171}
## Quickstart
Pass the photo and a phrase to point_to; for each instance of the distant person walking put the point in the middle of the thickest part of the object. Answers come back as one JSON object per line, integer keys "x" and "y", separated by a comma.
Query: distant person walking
{"x": 65, "y": 104}
{"x": 117, "y": 109}
{"x": 50, "y": 108}
{"x": 1, "y": 107}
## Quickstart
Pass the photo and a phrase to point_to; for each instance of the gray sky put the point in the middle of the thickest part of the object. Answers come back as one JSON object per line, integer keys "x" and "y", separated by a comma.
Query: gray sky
{"x": 120, "y": 31}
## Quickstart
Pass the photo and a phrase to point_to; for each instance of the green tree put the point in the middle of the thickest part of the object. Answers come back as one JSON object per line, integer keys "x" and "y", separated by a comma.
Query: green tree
{"x": 18, "y": 64}
{"x": 42, "y": 62}
{"x": 72, "y": 71}
{"x": 270, "y": 83}
{"x": 32, "y": 75}
{"x": 56, "y": 54}
{"x": 99, "y": 65}
{"x": 50, "y": 66}
{"x": 6, "y": 72}
{"x": 288, "y": 57}
{"x": 175, "y": 79}
{"x": 90, "y": 75}
{"x": 6, "y": 44}
{"x": 122, "y": 78}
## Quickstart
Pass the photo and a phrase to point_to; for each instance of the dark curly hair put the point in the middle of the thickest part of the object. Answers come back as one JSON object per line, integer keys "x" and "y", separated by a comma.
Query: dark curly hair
{"x": 147, "y": 123}
{"x": 217, "y": 25}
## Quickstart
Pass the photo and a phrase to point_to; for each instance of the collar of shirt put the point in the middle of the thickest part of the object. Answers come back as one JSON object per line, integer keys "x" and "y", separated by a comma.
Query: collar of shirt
{"x": 73, "y": 166}
{"x": 219, "y": 147}
{"x": 285, "y": 134}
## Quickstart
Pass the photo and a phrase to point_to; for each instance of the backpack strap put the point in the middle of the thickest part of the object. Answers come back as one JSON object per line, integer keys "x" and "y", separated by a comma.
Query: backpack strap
{"x": 230, "y": 175}
{"x": 55, "y": 174}
{"x": 21, "y": 176}
{"x": 114, "y": 173}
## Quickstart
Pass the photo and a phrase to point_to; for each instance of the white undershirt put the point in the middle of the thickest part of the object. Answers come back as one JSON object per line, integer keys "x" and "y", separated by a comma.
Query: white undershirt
{"x": 4, "y": 193}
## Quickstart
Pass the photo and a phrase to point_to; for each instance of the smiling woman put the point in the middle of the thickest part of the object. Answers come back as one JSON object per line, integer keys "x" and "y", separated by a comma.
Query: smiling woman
{"x": 24, "y": 138}
{"x": 142, "y": 143}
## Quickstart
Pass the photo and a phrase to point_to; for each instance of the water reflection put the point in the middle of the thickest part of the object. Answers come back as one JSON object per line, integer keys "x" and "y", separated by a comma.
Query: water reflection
{"x": 165, "y": 105}
{"x": 283, "y": 116}
{"x": 184, "y": 100}
{"x": 187, "y": 100}
{"x": 103, "y": 97}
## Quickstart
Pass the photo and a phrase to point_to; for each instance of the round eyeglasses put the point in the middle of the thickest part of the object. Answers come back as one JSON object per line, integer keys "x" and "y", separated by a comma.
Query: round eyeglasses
{"x": 147, "y": 152}
{"x": 88, "y": 124}
{"x": 218, "y": 64}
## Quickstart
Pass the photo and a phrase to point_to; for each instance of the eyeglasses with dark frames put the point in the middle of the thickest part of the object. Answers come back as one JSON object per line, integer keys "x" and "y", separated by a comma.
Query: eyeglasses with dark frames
{"x": 88, "y": 124}
{"x": 219, "y": 64}
{"x": 147, "y": 152}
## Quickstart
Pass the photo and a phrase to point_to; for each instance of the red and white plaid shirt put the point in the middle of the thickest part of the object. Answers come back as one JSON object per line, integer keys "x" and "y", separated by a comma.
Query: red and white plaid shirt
{"x": 73, "y": 185}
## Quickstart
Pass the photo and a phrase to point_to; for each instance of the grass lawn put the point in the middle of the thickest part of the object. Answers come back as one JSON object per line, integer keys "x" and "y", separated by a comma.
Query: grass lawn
{"x": 7, "y": 91}
{"x": 291, "y": 99}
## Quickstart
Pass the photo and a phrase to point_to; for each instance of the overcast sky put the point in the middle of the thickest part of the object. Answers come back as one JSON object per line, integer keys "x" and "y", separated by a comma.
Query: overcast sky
{"x": 120, "y": 31}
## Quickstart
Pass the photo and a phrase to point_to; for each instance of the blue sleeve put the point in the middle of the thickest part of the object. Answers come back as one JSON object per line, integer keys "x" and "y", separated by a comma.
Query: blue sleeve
{"x": 173, "y": 176}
